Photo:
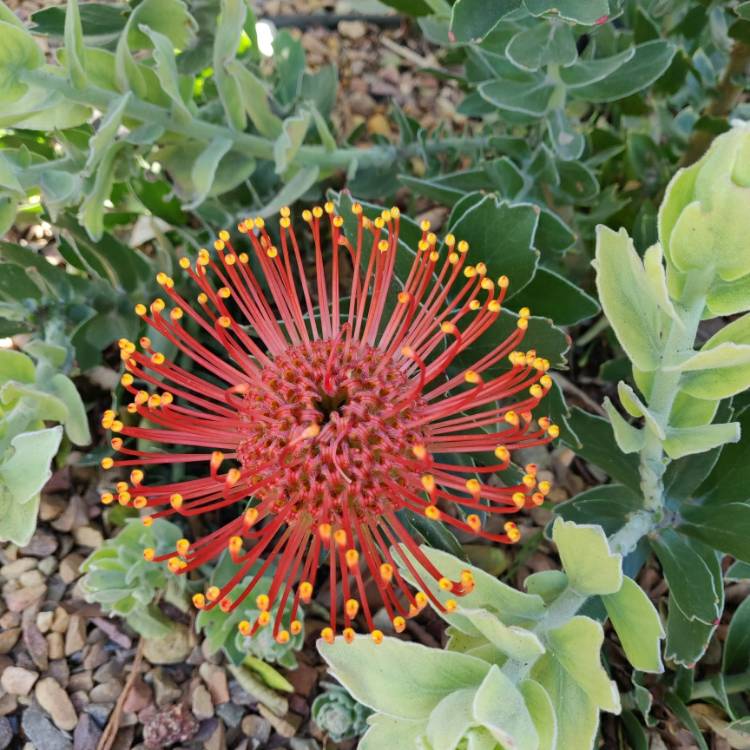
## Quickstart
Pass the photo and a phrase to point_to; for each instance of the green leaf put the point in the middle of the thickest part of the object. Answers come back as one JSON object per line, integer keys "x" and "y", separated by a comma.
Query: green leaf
{"x": 292, "y": 136}
{"x": 26, "y": 470}
{"x": 500, "y": 708}
{"x": 168, "y": 17}
{"x": 101, "y": 23}
{"x": 736, "y": 657}
{"x": 389, "y": 731}
{"x": 559, "y": 299}
{"x": 565, "y": 136}
{"x": 472, "y": 20}
{"x": 76, "y": 424}
{"x": 587, "y": 72}
{"x": 542, "y": 712}
{"x": 166, "y": 70}
{"x": 576, "y": 646}
{"x": 738, "y": 571}
{"x": 725, "y": 527}
{"x": 629, "y": 439}
{"x": 543, "y": 44}
{"x": 691, "y": 570}
{"x": 586, "y": 12}
{"x": 515, "y": 607}
{"x": 624, "y": 293}
{"x": 102, "y": 140}
{"x": 255, "y": 100}
{"x": 515, "y": 642}
{"x": 74, "y": 57}
{"x": 577, "y": 715}
{"x": 653, "y": 263}
{"x": 529, "y": 96}
{"x": 91, "y": 211}
{"x": 649, "y": 61}
{"x": 586, "y": 558}
{"x": 204, "y": 170}
{"x": 599, "y": 447}
{"x": 18, "y": 52}
{"x": 696, "y": 595}
{"x": 516, "y": 223}
{"x": 230, "y": 23}
{"x": 548, "y": 584}
{"x": 637, "y": 624}
{"x": 687, "y": 441}
{"x": 451, "y": 719}
{"x": 680, "y": 710}
{"x": 15, "y": 365}
{"x": 426, "y": 675}
{"x": 18, "y": 519}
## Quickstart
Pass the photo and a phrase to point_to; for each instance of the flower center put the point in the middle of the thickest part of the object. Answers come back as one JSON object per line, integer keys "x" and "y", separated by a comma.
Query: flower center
{"x": 368, "y": 419}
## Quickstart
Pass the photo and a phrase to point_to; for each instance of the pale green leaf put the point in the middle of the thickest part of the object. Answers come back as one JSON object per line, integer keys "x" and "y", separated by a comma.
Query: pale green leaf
{"x": 686, "y": 441}
{"x": 255, "y": 100}
{"x": 74, "y": 58}
{"x": 585, "y": 12}
{"x": 634, "y": 406}
{"x": 166, "y": 70}
{"x": 515, "y": 607}
{"x": 577, "y": 715}
{"x": 106, "y": 132}
{"x": 15, "y": 365}
{"x": 425, "y": 675}
{"x": 292, "y": 190}
{"x": 629, "y": 438}
{"x": 542, "y": 44}
{"x": 576, "y": 647}
{"x": 542, "y": 712}
{"x": 76, "y": 424}
{"x": 625, "y": 296}
{"x": 515, "y": 642}
{"x": 653, "y": 263}
{"x": 637, "y": 624}
{"x": 500, "y": 708}
{"x": 204, "y": 170}
{"x": 17, "y": 520}
{"x": 451, "y": 719}
{"x": 587, "y": 560}
{"x": 292, "y": 136}
{"x": 18, "y": 52}
{"x": 548, "y": 584}
{"x": 91, "y": 211}
{"x": 8, "y": 179}
{"x": 388, "y": 732}
{"x": 25, "y": 471}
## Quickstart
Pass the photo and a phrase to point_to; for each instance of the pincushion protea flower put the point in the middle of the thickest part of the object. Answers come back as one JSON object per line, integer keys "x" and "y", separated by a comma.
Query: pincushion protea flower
{"x": 330, "y": 413}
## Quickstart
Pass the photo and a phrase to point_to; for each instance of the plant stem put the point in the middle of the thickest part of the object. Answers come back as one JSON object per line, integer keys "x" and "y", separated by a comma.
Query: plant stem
{"x": 251, "y": 145}
{"x": 680, "y": 337}
{"x": 733, "y": 683}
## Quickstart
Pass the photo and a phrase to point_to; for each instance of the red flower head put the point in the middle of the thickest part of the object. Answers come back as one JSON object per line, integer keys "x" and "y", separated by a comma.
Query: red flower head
{"x": 329, "y": 413}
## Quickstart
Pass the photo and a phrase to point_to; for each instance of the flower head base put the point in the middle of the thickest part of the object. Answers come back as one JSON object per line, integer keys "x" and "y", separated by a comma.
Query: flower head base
{"x": 331, "y": 413}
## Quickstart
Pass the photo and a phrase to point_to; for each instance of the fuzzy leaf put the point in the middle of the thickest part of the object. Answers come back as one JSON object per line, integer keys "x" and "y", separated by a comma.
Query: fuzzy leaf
{"x": 626, "y": 298}
{"x": 637, "y": 624}
{"x": 687, "y": 441}
{"x": 425, "y": 675}
{"x": 629, "y": 439}
{"x": 587, "y": 560}
{"x": 288, "y": 143}
{"x": 500, "y": 708}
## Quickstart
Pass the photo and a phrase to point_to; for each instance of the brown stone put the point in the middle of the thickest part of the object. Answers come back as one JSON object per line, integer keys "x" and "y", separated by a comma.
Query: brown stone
{"x": 22, "y": 599}
{"x": 55, "y": 646}
{"x": 55, "y": 701}
{"x": 17, "y": 680}
{"x": 70, "y": 567}
{"x": 88, "y": 536}
{"x": 216, "y": 681}
{"x": 75, "y": 637}
{"x": 8, "y": 639}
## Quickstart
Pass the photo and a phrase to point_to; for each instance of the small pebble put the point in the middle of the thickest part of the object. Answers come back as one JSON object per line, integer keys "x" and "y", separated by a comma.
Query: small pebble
{"x": 42, "y": 733}
{"x": 55, "y": 701}
{"x": 17, "y": 680}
